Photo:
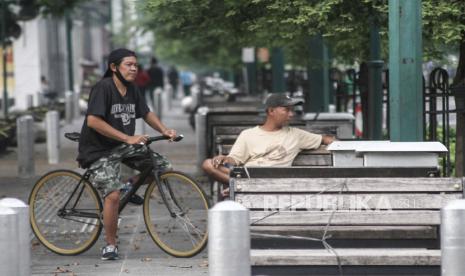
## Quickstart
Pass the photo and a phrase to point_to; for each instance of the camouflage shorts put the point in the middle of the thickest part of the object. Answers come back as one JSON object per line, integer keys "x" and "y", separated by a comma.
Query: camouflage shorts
{"x": 106, "y": 171}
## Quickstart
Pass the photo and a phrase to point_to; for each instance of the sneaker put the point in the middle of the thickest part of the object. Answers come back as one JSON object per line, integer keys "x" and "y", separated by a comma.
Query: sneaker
{"x": 110, "y": 252}
{"x": 136, "y": 199}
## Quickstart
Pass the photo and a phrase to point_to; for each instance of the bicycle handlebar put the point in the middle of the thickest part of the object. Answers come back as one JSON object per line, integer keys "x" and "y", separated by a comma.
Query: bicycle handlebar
{"x": 163, "y": 137}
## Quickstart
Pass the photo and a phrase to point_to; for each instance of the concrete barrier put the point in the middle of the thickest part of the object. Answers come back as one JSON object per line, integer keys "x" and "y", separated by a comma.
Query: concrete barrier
{"x": 76, "y": 107}
{"x": 30, "y": 101}
{"x": 453, "y": 238}
{"x": 8, "y": 241}
{"x": 168, "y": 97}
{"x": 69, "y": 107}
{"x": 22, "y": 248}
{"x": 52, "y": 122}
{"x": 25, "y": 137}
{"x": 157, "y": 102}
{"x": 228, "y": 240}
{"x": 200, "y": 134}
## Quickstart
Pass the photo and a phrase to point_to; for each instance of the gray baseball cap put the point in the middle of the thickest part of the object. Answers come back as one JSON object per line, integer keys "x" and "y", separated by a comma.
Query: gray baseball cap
{"x": 275, "y": 100}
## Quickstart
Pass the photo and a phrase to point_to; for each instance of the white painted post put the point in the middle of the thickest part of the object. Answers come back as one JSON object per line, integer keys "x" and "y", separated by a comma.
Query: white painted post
{"x": 228, "y": 240}
{"x": 157, "y": 104}
{"x": 453, "y": 238}
{"x": 52, "y": 121}
{"x": 76, "y": 108}
{"x": 168, "y": 97}
{"x": 201, "y": 136}
{"x": 40, "y": 98}
{"x": 25, "y": 138}
{"x": 23, "y": 246}
{"x": 69, "y": 106}
{"x": 8, "y": 241}
{"x": 30, "y": 101}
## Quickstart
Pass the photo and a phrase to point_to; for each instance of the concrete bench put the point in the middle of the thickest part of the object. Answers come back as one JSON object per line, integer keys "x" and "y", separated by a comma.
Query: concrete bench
{"x": 373, "y": 221}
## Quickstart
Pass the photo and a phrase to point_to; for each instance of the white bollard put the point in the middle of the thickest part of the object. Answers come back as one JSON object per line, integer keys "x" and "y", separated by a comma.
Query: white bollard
{"x": 196, "y": 97}
{"x": 25, "y": 138}
{"x": 228, "y": 240}
{"x": 40, "y": 99}
{"x": 157, "y": 104}
{"x": 52, "y": 121}
{"x": 8, "y": 241}
{"x": 69, "y": 106}
{"x": 23, "y": 247}
{"x": 201, "y": 136}
{"x": 168, "y": 97}
{"x": 453, "y": 238}
{"x": 30, "y": 101}
{"x": 76, "y": 107}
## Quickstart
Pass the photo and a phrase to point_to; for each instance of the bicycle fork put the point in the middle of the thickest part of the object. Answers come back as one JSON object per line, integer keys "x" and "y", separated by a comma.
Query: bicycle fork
{"x": 162, "y": 186}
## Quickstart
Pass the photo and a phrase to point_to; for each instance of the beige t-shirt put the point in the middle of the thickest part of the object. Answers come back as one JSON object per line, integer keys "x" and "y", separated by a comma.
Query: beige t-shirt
{"x": 256, "y": 147}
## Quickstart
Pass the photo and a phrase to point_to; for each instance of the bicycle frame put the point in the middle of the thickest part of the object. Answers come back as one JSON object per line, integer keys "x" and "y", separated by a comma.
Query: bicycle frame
{"x": 64, "y": 212}
{"x": 154, "y": 171}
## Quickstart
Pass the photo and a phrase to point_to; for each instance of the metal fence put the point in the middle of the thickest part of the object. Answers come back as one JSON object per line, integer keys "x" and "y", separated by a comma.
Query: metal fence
{"x": 437, "y": 113}
{"x": 350, "y": 89}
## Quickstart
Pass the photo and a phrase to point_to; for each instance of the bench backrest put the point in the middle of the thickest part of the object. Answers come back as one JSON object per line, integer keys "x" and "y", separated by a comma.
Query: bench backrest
{"x": 345, "y": 201}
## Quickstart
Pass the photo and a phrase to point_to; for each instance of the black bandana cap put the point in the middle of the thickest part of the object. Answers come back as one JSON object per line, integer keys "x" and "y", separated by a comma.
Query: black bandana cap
{"x": 115, "y": 57}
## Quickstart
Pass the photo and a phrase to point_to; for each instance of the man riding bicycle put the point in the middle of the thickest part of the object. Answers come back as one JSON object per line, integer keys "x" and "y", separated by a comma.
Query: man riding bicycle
{"x": 107, "y": 137}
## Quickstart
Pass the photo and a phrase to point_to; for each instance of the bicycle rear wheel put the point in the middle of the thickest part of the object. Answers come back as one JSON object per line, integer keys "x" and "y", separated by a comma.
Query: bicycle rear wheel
{"x": 64, "y": 230}
{"x": 178, "y": 224}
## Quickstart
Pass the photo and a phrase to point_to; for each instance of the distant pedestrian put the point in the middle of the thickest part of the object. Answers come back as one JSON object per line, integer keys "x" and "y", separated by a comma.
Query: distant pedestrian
{"x": 173, "y": 78}
{"x": 156, "y": 75}
{"x": 142, "y": 80}
{"x": 186, "y": 79}
{"x": 49, "y": 96}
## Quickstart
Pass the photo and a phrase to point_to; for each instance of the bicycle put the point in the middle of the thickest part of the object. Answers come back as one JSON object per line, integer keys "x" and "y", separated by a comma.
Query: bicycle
{"x": 66, "y": 210}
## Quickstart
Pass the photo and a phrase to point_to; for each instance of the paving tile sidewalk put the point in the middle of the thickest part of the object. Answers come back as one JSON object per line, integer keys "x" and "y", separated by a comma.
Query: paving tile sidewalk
{"x": 140, "y": 256}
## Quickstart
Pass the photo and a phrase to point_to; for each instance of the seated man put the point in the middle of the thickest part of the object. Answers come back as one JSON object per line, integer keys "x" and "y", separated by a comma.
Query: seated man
{"x": 272, "y": 144}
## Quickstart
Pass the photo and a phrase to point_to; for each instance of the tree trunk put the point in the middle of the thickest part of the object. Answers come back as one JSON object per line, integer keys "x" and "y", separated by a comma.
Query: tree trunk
{"x": 459, "y": 83}
{"x": 459, "y": 78}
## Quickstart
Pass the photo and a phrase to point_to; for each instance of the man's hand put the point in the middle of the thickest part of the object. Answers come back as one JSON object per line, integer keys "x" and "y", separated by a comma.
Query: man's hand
{"x": 170, "y": 133}
{"x": 221, "y": 160}
{"x": 328, "y": 139}
{"x": 137, "y": 139}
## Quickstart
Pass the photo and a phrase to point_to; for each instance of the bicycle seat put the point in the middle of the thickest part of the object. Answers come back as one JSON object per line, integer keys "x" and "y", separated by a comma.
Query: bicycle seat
{"x": 73, "y": 136}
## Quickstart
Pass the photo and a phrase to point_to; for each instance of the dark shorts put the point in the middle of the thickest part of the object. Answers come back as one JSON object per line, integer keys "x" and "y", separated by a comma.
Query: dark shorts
{"x": 106, "y": 171}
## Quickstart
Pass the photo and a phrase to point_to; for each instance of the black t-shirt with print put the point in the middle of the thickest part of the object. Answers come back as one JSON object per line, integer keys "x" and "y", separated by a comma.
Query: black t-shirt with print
{"x": 119, "y": 112}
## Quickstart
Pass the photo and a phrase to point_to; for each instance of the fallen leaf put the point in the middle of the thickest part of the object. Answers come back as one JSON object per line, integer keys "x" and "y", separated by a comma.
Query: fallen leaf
{"x": 180, "y": 266}
{"x": 146, "y": 259}
{"x": 204, "y": 264}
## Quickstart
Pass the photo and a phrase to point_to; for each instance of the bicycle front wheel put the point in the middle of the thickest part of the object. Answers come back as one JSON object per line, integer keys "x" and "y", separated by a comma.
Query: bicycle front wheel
{"x": 175, "y": 213}
{"x": 64, "y": 212}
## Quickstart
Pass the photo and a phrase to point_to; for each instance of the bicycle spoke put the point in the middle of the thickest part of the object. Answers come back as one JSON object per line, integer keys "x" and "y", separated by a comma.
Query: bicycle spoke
{"x": 188, "y": 233}
{"x": 65, "y": 231}
{"x": 178, "y": 219}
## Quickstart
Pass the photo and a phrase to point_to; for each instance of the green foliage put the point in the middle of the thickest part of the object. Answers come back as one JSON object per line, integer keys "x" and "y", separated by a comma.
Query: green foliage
{"x": 57, "y": 7}
{"x": 211, "y": 31}
{"x": 443, "y": 26}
